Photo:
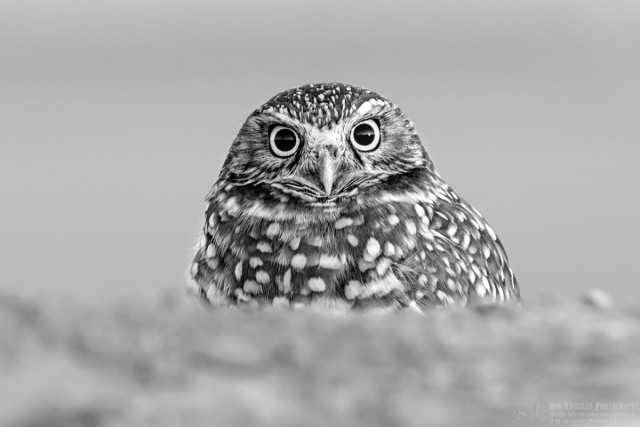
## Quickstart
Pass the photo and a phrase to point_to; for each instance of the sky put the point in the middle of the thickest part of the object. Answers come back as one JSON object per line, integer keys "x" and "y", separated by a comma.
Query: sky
{"x": 115, "y": 118}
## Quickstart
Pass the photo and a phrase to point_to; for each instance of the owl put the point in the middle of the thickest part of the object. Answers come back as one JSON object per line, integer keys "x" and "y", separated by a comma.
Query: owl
{"x": 328, "y": 198}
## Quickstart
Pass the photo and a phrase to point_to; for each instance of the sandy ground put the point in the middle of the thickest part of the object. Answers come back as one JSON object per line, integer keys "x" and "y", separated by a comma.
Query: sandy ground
{"x": 170, "y": 362}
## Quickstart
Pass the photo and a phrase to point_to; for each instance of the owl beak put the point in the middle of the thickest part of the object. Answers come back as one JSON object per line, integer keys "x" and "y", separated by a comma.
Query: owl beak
{"x": 327, "y": 166}
{"x": 327, "y": 171}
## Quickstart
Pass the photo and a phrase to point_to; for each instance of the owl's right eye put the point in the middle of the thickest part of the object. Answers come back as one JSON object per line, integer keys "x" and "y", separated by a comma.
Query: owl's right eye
{"x": 283, "y": 141}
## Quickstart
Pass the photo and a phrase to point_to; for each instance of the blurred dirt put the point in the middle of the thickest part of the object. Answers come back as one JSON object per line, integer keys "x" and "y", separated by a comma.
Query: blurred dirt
{"x": 171, "y": 362}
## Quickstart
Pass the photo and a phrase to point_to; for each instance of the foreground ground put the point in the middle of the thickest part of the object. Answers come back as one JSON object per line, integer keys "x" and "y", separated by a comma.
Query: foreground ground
{"x": 172, "y": 363}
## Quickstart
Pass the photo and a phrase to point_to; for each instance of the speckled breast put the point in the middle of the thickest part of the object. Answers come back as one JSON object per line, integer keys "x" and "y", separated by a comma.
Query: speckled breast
{"x": 343, "y": 255}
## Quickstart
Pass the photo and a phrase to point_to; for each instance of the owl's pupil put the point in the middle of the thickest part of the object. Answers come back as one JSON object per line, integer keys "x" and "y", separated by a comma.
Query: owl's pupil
{"x": 364, "y": 134}
{"x": 285, "y": 140}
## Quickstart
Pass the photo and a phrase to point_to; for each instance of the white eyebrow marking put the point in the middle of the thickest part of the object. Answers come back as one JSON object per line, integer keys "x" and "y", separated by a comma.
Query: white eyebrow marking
{"x": 367, "y": 106}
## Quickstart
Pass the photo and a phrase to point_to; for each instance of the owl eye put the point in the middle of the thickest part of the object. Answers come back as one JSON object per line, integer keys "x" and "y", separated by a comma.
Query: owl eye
{"x": 283, "y": 141}
{"x": 365, "y": 136}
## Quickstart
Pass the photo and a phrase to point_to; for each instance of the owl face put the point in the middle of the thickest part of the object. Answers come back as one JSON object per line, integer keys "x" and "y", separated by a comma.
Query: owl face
{"x": 322, "y": 143}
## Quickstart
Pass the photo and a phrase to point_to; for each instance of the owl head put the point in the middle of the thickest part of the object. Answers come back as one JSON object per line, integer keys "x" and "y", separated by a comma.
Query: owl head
{"x": 324, "y": 142}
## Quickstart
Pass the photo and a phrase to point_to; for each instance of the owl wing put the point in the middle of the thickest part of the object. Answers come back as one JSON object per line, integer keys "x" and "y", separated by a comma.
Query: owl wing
{"x": 458, "y": 259}
{"x": 218, "y": 263}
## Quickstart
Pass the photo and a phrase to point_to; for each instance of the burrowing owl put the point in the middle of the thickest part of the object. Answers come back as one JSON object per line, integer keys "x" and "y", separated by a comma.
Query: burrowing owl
{"x": 328, "y": 197}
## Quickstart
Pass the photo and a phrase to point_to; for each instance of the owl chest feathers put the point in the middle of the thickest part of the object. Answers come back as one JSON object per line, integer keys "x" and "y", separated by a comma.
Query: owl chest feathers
{"x": 281, "y": 249}
{"x": 406, "y": 248}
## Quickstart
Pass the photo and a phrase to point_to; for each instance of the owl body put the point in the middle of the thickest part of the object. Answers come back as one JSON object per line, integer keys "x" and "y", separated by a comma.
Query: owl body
{"x": 328, "y": 198}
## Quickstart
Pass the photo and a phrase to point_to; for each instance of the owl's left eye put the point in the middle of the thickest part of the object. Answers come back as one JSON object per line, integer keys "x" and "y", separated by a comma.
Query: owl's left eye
{"x": 365, "y": 136}
{"x": 284, "y": 142}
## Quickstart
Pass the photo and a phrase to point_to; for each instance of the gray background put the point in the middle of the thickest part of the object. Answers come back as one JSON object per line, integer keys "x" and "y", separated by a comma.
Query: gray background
{"x": 115, "y": 118}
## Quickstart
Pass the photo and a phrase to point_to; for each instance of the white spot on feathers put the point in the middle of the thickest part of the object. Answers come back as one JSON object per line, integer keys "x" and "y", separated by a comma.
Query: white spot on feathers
{"x": 255, "y": 262}
{"x": 252, "y": 287}
{"x": 231, "y": 206}
{"x": 472, "y": 276}
{"x": 481, "y": 290}
{"x": 262, "y": 277}
{"x": 422, "y": 280}
{"x": 286, "y": 281}
{"x": 381, "y": 287}
{"x": 329, "y": 261}
{"x": 491, "y": 233}
{"x": 273, "y": 229}
{"x": 343, "y": 222}
{"x": 389, "y": 249}
{"x": 446, "y": 299}
{"x": 264, "y": 247}
{"x": 411, "y": 227}
{"x": 238, "y": 271}
{"x": 353, "y": 240}
{"x": 486, "y": 251}
{"x": 211, "y": 251}
{"x": 317, "y": 284}
{"x": 353, "y": 289}
{"x": 359, "y": 220}
{"x": 294, "y": 243}
{"x": 413, "y": 306}
{"x": 466, "y": 239}
{"x": 485, "y": 282}
{"x": 213, "y": 262}
{"x": 372, "y": 250}
{"x": 383, "y": 265}
{"x": 365, "y": 265}
{"x": 298, "y": 261}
